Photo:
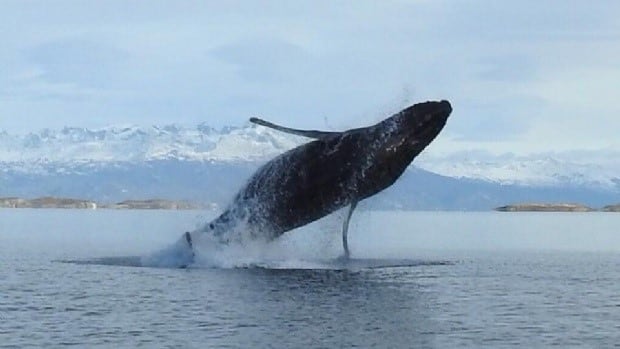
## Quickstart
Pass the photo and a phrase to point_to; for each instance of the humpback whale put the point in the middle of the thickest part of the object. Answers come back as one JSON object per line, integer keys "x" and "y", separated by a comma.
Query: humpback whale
{"x": 334, "y": 170}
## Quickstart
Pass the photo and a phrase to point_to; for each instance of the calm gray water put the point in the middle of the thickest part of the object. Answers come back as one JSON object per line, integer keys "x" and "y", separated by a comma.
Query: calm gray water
{"x": 469, "y": 280}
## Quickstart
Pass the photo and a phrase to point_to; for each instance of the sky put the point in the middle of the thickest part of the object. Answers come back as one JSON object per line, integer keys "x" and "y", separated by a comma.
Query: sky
{"x": 522, "y": 76}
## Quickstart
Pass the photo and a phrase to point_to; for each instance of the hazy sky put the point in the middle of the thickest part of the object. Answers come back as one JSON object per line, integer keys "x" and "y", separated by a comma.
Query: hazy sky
{"x": 522, "y": 75}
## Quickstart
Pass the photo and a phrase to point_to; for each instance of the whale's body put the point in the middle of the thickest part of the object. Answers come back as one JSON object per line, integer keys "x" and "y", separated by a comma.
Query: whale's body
{"x": 335, "y": 170}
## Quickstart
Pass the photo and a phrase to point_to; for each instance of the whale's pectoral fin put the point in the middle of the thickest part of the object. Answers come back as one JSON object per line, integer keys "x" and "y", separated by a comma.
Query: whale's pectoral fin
{"x": 192, "y": 254}
{"x": 305, "y": 133}
{"x": 188, "y": 238}
{"x": 345, "y": 229}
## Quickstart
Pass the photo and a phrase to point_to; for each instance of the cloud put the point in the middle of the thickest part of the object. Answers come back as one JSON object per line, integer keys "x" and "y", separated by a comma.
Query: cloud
{"x": 264, "y": 59}
{"x": 514, "y": 71}
{"x": 82, "y": 62}
{"x": 532, "y": 22}
{"x": 496, "y": 120}
{"x": 513, "y": 68}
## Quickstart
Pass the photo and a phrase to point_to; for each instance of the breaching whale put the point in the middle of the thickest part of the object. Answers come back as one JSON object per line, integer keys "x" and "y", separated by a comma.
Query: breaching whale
{"x": 335, "y": 170}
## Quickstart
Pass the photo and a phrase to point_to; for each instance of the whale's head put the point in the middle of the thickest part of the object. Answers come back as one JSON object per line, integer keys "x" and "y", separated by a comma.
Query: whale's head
{"x": 422, "y": 122}
{"x": 393, "y": 143}
{"x": 408, "y": 132}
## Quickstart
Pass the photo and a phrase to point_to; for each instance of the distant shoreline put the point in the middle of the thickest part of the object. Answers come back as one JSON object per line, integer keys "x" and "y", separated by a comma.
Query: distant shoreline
{"x": 70, "y": 203}
{"x": 164, "y": 204}
{"x": 555, "y": 207}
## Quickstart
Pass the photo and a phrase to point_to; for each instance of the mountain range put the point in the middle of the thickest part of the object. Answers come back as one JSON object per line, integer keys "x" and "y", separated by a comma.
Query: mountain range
{"x": 208, "y": 165}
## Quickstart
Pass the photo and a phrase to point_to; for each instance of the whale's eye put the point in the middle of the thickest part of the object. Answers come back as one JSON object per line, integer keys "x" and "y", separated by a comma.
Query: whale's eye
{"x": 211, "y": 226}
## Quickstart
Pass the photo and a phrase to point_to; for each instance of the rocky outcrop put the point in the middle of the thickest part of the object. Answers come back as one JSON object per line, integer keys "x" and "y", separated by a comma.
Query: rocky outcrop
{"x": 12, "y": 202}
{"x": 544, "y": 207}
{"x": 47, "y": 202}
{"x": 154, "y": 204}
{"x": 611, "y": 208}
{"x": 53, "y": 202}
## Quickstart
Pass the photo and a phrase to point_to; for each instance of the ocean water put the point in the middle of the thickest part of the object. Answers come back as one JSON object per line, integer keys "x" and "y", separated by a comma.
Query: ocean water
{"x": 417, "y": 279}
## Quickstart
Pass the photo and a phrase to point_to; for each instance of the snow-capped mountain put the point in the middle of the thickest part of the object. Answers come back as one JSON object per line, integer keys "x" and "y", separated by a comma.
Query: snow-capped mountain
{"x": 203, "y": 164}
{"x": 34, "y": 152}
{"x": 133, "y": 143}
{"x": 594, "y": 169}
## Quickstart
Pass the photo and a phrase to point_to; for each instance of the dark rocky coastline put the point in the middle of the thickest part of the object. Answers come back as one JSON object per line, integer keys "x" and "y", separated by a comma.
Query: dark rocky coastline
{"x": 611, "y": 208}
{"x": 163, "y": 204}
{"x": 69, "y": 203}
{"x": 545, "y": 207}
{"x": 154, "y": 204}
{"x": 47, "y": 202}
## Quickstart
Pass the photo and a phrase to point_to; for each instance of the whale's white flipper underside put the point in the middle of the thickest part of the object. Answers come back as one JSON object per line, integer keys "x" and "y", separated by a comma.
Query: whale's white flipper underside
{"x": 345, "y": 229}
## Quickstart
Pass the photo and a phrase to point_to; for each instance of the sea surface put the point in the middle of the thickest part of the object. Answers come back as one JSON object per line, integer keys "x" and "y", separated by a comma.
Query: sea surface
{"x": 417, "y": 280}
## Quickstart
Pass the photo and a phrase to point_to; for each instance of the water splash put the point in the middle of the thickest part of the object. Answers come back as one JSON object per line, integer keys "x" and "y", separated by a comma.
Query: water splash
{"x": 248, "y": 246}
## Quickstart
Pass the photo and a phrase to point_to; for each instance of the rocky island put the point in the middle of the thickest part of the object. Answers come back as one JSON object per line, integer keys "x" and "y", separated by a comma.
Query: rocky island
{"x": 164, "y": 204}
{"x": 154, "y": 204}
{"x": 611, "y": 208}
{"x": 46, "y": 202}
{"x": 69, "y": 203}
{"x": 545, "y": 207}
